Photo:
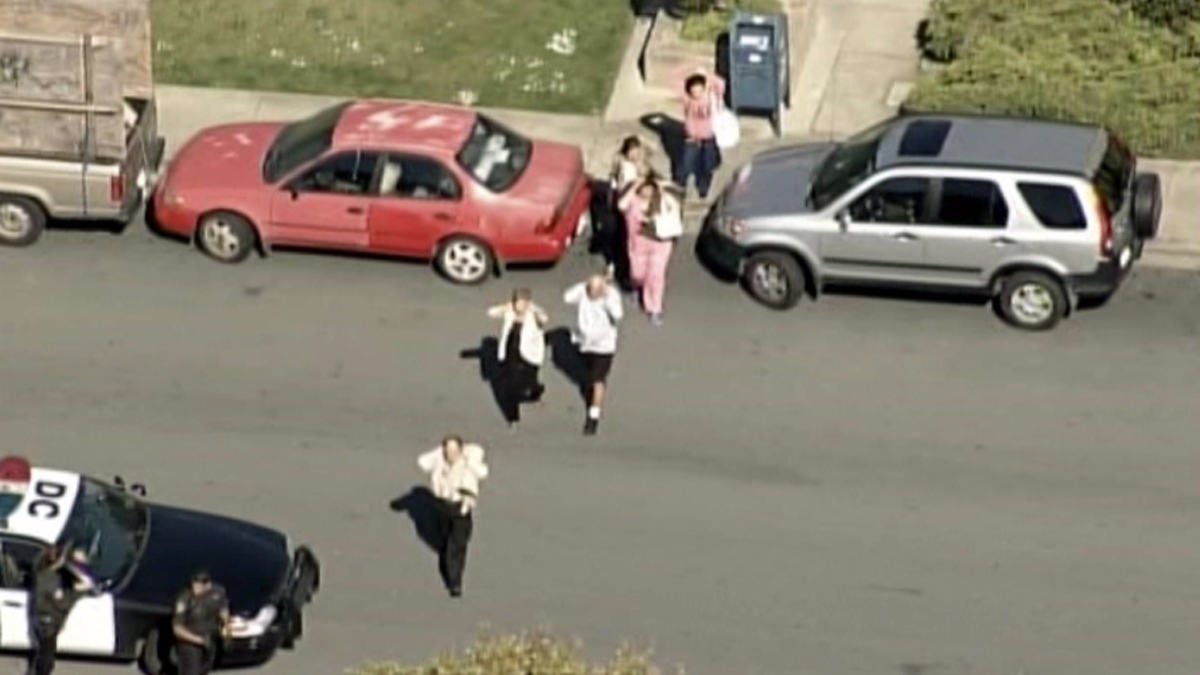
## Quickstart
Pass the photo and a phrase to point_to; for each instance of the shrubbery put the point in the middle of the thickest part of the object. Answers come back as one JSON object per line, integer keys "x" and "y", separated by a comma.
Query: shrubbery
{"x": 1099, "y": 61}
{"x": 525, "y": 654}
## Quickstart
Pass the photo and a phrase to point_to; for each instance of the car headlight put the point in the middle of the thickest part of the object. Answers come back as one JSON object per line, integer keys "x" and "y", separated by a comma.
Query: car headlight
{"x": 242, "y": 627}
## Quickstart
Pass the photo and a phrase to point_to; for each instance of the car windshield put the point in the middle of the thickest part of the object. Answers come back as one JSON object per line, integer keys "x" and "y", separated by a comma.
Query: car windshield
{"x": 847, "y": 166}
{"x": 301, "y": 142}
{"x": 494, "y": 155}
{"x": 110, "y": 526}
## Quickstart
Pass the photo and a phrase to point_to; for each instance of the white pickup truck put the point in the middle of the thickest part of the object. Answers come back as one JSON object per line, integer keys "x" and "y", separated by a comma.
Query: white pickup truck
{"x": 78, "y": 121}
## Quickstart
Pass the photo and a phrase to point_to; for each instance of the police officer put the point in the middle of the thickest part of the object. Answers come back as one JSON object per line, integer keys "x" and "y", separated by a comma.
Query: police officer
{"x": 57, "y": 584}
{"x": 201, "y": 617}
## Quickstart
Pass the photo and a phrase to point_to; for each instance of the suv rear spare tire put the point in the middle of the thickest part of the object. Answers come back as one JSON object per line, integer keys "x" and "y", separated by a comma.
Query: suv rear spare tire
{"x": 1032, "y": 301}
{"x": 1147, "y": 205}
{"x": 22, "y": 221}
{"x": 775, "y": 279}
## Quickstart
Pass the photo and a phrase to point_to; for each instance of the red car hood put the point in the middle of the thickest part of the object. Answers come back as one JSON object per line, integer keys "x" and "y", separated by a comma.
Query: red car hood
{"x": 221, "y": 157}
{"x": 553, "y": 172}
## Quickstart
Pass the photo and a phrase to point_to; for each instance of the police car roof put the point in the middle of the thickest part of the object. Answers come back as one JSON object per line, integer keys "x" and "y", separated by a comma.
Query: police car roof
{"x": 46, "y": 506}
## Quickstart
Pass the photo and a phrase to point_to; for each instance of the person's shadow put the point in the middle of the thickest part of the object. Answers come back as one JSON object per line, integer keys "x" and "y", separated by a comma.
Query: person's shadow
{"x": 566, "y": 359}
{"x": 421, "y": 507}
{"x": 488, "y": 355}
{"x": 670, "y": 134}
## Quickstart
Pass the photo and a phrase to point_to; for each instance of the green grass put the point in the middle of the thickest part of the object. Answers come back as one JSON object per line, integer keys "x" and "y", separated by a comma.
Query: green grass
{"x": 708, "y": 26}
{"x": 488, "y": 52}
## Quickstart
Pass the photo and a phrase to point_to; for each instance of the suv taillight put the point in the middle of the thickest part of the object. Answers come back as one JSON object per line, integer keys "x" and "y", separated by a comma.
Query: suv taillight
{"x": 1106, "y": 227}
{"x": 116, "y": 188}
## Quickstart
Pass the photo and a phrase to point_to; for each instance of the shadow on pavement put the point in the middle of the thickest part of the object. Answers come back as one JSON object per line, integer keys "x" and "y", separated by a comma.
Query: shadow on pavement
{"x": 566, "y": 359}
{"x": 670, "y": 136}
{"x": 488, "y": 355}
{"x": 421, "y": 507}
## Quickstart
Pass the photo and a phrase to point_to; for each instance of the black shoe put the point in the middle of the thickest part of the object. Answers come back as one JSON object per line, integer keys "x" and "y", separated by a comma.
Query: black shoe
{"x": 591, "y": 426}
{"x": 456, "y": 592}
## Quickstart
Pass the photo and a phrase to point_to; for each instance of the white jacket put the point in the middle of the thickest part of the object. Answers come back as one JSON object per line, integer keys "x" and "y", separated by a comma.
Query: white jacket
{"x": 533, "y": 339}
{"x": 457, "y": 483}
{"x": 596, "y": 320}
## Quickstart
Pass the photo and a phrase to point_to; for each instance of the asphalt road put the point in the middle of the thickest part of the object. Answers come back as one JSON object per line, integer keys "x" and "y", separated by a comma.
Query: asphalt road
{"x": 861, "y": 486}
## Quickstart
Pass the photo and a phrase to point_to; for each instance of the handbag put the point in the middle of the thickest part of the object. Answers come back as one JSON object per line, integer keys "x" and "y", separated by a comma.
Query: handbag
{"x": 726, "y": 129}
{"x": 668, "y": 223}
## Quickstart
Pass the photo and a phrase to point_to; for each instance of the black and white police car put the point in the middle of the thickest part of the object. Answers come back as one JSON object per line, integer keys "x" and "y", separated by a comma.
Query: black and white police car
{"x": 142, "y": 555}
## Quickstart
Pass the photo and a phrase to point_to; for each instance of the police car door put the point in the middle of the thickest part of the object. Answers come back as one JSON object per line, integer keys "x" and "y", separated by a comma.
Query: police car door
{"x": 14, "y": 599}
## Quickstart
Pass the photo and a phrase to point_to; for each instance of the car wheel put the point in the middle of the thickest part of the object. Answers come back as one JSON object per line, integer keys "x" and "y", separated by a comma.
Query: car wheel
{"x": 226, "y": 237}
{"x": 464, "y": 260}
{"x": 1032, "y": 301}
{"x": 158, "y": 655}
{"x": 775, "y": 279}
{"x": 22, "y": 221}
{"x": 1147, "y": 205}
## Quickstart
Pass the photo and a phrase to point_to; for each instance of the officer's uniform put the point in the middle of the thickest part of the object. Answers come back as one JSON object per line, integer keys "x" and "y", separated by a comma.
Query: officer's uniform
{"x": 54, "y": 595}
{"x": 200, "y": 614}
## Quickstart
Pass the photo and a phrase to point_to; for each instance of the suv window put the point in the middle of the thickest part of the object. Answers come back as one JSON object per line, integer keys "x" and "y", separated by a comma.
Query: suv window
{"x": 899, "y": 201}
{"x": 348, "y": 173}
{"x": 1056, "y": 206}
{"x": 972, "y": 203}
{"x": 411, "y": 177}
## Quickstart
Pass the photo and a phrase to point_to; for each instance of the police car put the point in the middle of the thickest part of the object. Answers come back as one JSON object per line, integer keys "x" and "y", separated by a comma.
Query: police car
{"x": 142, "y": 556}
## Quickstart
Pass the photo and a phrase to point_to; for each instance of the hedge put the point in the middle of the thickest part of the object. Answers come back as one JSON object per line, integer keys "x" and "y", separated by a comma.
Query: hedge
{"x": 522, "y": 654}
{"x": 1092, "y": 61}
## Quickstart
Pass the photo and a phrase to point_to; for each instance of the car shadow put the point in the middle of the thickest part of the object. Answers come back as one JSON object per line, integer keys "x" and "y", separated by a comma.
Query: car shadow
{"x": 566, "y": 359}
{"x": 488, "y": 356}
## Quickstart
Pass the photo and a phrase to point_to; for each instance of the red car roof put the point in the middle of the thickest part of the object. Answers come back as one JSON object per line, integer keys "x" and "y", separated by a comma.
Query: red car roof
{"x": 404, "y": 124}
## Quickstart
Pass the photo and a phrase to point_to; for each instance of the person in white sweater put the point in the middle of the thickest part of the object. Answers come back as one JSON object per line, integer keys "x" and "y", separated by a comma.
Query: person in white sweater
{"x": 455, "y": 471}
{"x": 522, "y": 350}
{"x": 598, "y": 313}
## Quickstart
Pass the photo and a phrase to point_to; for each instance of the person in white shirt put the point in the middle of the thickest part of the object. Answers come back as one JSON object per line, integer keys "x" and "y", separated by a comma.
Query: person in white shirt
{"x": 630, "y": 166}
{"x": 598, "y": 312}
{"x": 521, "y": 351}
{"x": 455, "y": 471}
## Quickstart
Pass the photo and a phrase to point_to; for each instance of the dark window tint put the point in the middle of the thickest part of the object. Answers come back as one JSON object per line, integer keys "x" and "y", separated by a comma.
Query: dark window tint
{"x": 349, "y": 173}
{"x": 16, "y": 564}
{"x": 1056, "y": 206}
{"x": 412, "y": 177}
{"x": 896, "y": 201}
{"x": 972, "y": 203}
{"x": 924, "y": 138}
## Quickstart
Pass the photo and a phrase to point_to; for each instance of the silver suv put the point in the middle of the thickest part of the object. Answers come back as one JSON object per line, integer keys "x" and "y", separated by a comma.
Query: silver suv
{"x": 1036, "y": 215}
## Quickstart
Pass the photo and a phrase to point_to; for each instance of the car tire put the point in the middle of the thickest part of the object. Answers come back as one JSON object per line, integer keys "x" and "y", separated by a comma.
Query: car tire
{"x": 226, "y": 237}
{"x": 1147, "y": 205}
{"x": 775, "y": 279}
{"x": 465, "y": 260}
{"x": 1032, "y": 301}
{"x": 157, "y": 655}
{"x": 22, "y": 221}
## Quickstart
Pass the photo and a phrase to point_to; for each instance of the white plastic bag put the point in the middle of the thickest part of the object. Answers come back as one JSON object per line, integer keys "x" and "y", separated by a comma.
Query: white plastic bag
{"x": 726, "y": 129}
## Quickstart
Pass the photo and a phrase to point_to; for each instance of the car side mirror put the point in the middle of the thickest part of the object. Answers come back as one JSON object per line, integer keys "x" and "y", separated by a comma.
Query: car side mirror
{"x": 843, "y": 220}
{"x": 293, "y": 191}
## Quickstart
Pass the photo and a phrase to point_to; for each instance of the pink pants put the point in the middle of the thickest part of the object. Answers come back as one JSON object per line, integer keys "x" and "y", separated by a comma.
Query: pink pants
{"x": 648, "y": 261}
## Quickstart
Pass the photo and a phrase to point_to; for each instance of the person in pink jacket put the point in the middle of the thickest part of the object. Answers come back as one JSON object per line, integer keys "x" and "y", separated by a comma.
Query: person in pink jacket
{"x": 649, "y": 251}
{"x": 703, "y": 93}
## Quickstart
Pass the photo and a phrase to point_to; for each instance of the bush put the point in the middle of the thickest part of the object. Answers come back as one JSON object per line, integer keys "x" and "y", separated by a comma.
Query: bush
{"x": 524, "y": 654}
{"x": 1175, "y": 14}
{"x": 708, "y": 25}
{"x": 1078, "y": 60}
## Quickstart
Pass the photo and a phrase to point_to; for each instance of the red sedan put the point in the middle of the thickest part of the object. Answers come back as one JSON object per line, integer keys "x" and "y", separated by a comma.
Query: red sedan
{"x": 414, "y": 180}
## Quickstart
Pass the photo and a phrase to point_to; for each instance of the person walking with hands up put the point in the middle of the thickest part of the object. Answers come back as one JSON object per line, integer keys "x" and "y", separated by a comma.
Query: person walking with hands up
{"x": 598, "y": 312}
{"x": 654, "y": 221}
{"x": 704, "y": 95}
{"x": 455, "y": 471}
{"x": 521, "y": 351}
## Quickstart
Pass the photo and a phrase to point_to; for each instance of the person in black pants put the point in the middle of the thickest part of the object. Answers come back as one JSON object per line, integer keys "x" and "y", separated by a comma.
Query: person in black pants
{"x": 201, "y": 617}
{"x": 522, "y": 350}
{"x": 58, "y": 583}
{"x": 455, "y": 470}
